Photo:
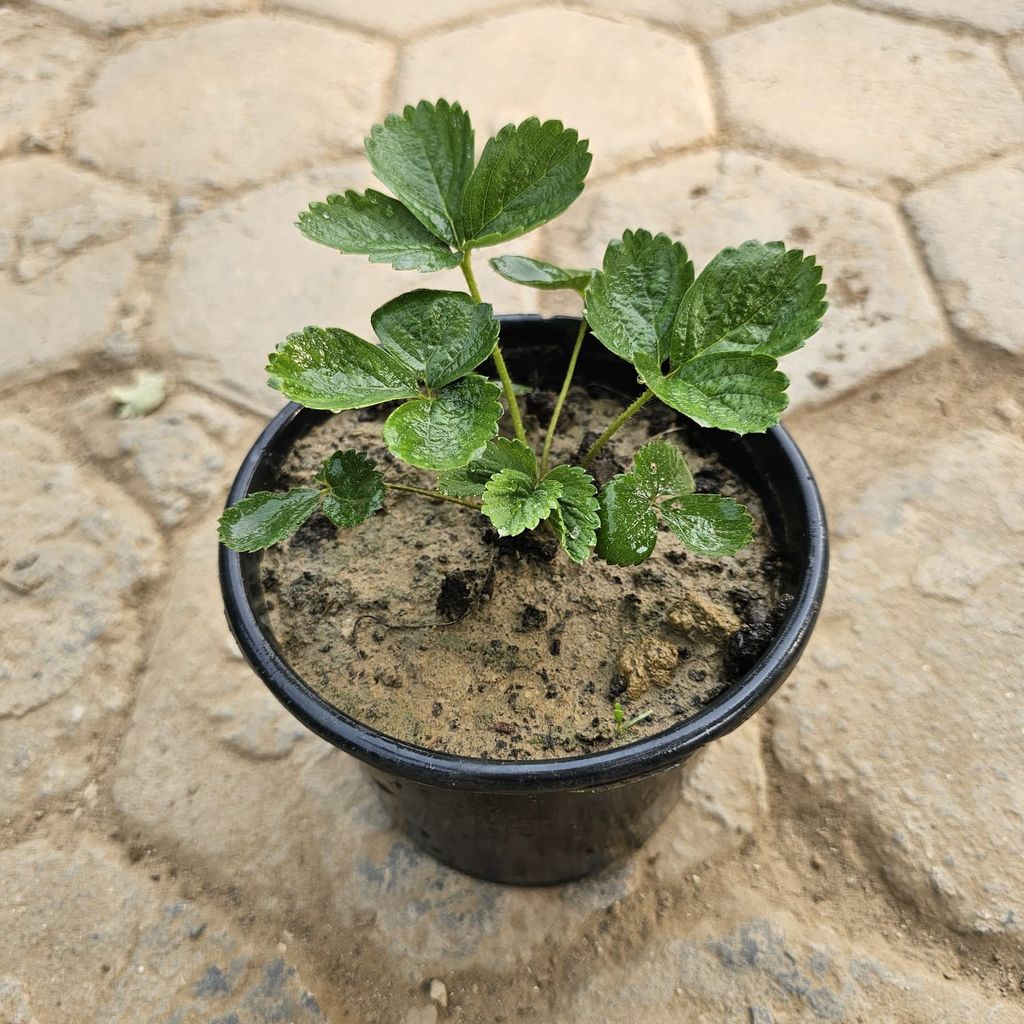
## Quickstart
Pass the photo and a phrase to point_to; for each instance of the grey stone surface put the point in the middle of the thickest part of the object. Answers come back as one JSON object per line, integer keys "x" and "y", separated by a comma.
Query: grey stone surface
{"x": 398, "y": 18}
{"x": 770, "y": 971}
{"x": 73, "y": 558}
{"x": 702, "y": 19}
{"x": 70, "y": 251}
{"x": 176, "y": 458}
{"x": 123, "y": 953}
{"x": 971, "y": 227}
{"x": 70, "y": 246}
{"x": 117, "y": 15}
{"x": 219, "y": 96}
{"x": 882, "y": 100}
{"x": 532, "y": 63}
{"x": 43, "y": 66}
{"x": 882, "y": 314}
{"x": 910, "y": 709}
{"x": 989, "y": 15}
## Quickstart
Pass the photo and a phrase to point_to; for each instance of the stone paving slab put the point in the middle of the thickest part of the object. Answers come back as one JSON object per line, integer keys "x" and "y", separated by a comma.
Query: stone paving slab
{"x": 174, "y": 848}
{"x": 971, "y": 226}
{"x": 544, "y": 62}
{"x": 926, "y": 745}
{"x": 234, "y": 102}
{"x": 935, "y": 102}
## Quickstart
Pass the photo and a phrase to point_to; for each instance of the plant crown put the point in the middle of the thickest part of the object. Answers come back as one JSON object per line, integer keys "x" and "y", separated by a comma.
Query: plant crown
{"x": 706, "y": 345}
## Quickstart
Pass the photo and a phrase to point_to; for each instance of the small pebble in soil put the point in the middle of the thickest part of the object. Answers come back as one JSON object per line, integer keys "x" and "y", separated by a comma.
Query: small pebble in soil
{"x": 555, "y": 647}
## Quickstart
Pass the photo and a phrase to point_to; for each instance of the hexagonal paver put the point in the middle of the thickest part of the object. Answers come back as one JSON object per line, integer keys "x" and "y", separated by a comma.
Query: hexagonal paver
{"x": 42, "y": 64}
{"x": 1015, "y": 58}
{"x": 88, "y": 937}
{"x": 72, "y": 560}
{"x": 909, "y": 709}
{"x": 398, "y": 18}
{"x": 241, "y": 278}
{"x": 882, "y": 314}
{"x": 872, "y": 97}
{"x": 972, "y": 229}
{"x": 705, "y": 19}
{"x": 550, "y": 62}
{"x": 233, "y": 101}
{"x": 114, "y": 15}
{"x": 69, "y": 246}
{"x": 991, "y": 15}
{"x": 778, "y": 969}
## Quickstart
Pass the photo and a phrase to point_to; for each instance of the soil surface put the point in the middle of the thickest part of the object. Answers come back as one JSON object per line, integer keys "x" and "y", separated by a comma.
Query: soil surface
{"x": 425, "y": 624}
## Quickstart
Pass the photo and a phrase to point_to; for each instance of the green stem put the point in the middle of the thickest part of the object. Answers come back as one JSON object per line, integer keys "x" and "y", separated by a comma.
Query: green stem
{"x": 499, "y": 361}
{"x": 626, "y": 414}
{"x": 570, "y": 370}
{"x": 436, "y": 495}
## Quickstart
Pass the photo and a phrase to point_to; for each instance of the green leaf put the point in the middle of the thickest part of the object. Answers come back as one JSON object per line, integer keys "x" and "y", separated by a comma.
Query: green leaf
{"x": 575, "y": 517}
{"x": 708, "y": 524}
{"x": 375, "y": 225}
{"x": 729, "y": 390}
{"x": 759, "y": 298}
{"x": 264, "y": 518}
{"x": 629, "y": 525}
{"x": 632, "y": 301}
{"x": 526, "y": 175}
{"x": 440, "y": 335}
{"x": 356, "y": 488}
{"x": 448, "y": 430}
{"x": 425, "y": 156}
{"x": 538, "y": 274}
{"x": 328, "y": 368}
{"x": 661, "y": 471}
{"x": 500, "y": 453}
{"x": 515, "y": 502}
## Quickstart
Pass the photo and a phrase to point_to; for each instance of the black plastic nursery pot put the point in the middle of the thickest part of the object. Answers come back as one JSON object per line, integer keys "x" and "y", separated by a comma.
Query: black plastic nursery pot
{"x": 540, "y": 822}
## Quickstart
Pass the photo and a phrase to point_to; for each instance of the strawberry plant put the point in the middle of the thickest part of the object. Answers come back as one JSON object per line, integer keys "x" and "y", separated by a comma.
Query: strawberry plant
{"x": 707, "y": 345}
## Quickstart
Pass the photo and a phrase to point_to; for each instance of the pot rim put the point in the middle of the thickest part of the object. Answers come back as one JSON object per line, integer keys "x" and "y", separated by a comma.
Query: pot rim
{"x": 615, "y": 765}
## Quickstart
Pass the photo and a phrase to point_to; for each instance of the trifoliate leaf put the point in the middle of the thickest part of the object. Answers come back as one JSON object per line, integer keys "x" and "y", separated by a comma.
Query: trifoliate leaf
{"x": 500, "y": 453}
{"x": 632, "y": 301}
{"x": 537, "y": 274}
{"x": 575, "y": 517}
{"x": 375, "y": 225}
{"x": 759, "y": 298}
{"x": 729, "y": 390}
{"x": 708, "y": 524}
{"x": 629, "y": 525}
{"x": 328, "y": 368}
{"x": 439, "y": 335}
{"x": 450, "y": 429}
{"x": 661, "y": 471}
{"x": 515, "y": 502}
{"x": 527, "y": 174}
{"x": 356, "y": 488}
{"x": 425, "y": 156}
{"x": 264, "y": 518}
